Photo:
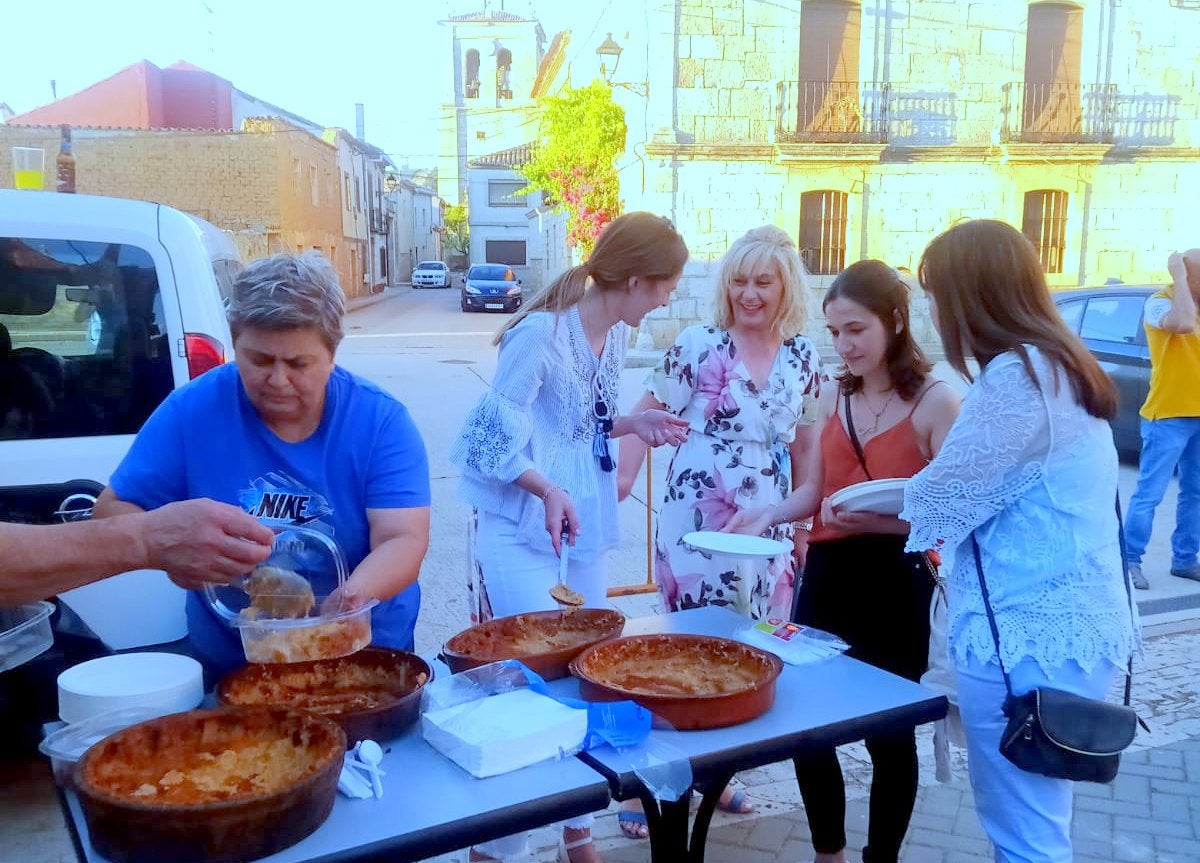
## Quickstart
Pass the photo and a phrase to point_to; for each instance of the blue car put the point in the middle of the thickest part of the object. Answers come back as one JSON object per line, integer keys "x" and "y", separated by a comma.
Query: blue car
{"x": 488, "y": 287}
{"x": 1110, "y": 322}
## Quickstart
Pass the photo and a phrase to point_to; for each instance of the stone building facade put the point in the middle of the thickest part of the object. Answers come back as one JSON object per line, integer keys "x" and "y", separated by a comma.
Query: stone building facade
{"x": 864, "y": 129}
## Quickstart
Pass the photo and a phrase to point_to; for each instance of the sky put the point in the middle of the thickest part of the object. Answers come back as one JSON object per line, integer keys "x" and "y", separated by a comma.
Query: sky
{"x": 296, "y": 54}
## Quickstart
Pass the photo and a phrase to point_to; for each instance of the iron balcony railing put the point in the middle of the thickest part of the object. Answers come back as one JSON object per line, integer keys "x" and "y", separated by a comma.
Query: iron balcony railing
{"x": 832, "y": 112}
{"x": 1064, "y": 113}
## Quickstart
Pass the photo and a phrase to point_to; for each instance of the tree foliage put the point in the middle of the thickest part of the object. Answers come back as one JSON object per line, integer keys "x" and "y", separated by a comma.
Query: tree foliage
{"x": 582, "y": 132}
{"x": 458, "y": 233}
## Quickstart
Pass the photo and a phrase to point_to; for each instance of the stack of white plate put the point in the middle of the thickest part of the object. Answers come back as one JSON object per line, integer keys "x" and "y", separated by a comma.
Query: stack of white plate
{"x": 162, "y": 682}
{"x": 884, "y": 496}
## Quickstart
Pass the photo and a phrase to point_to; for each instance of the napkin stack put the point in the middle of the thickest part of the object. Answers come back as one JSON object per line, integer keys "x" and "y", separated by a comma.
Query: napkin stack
{"x": 505, "y": 732}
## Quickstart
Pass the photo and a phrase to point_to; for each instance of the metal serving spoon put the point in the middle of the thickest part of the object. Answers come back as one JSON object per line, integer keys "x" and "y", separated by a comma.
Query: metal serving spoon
{"x": 562, "y": 594}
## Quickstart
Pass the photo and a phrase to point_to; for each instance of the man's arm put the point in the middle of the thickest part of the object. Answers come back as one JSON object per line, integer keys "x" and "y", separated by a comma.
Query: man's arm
{"x": 399, "y": 540}
{"x": 201, "y": 539}
{"x": 1185, "y": 274}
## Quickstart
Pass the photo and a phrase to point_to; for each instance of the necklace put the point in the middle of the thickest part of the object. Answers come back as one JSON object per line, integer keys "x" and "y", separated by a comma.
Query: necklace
{"x": 862, "y": 430}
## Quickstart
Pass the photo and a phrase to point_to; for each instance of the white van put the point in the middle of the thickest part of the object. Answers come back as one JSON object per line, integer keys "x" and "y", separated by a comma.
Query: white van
{"x": 106, "y": 305}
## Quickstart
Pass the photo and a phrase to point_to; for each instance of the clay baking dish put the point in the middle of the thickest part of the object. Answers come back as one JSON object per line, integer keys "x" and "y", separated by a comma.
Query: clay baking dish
{"x": 374, "y": 694}
{"x": 546, "y": 641}
{"x": 688, "y": 682}
{"x": 221, "y": 786}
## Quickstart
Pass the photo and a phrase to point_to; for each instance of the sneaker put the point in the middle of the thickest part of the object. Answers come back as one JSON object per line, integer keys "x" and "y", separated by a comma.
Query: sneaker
{"x": 1192, "y": 572}
{"x": 1139, "y": 580}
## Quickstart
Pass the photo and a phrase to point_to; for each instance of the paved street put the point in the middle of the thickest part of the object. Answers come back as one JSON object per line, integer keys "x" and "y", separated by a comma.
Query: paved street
{"x": 438, "y": 360}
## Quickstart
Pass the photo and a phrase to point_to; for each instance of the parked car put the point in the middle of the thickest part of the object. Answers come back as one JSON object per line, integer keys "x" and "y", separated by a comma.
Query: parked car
{"x": 490, "y": 286}
{"x": 431, "y": 274}
{"x": 1110, "y": 322}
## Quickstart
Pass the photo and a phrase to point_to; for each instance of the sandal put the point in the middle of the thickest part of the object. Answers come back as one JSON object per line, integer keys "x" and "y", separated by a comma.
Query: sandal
{"x": 736, "y": 802}
{"x": 565, "y": 848}
{"x": 633, "y": 823}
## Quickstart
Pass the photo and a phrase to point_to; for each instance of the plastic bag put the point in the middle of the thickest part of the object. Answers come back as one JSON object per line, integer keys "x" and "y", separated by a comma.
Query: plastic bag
{"x": 792, "y": 642}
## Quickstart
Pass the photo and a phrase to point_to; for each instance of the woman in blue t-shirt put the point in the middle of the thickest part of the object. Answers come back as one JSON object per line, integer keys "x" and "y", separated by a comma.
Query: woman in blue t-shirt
{"x": 297, "y": 442}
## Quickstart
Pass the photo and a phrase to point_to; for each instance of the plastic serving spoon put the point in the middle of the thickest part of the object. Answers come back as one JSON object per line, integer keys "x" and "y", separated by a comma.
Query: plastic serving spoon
{"x": 277, "y": 592}
{"x": 562, "y": 594}
{"x": 371, "y": 754}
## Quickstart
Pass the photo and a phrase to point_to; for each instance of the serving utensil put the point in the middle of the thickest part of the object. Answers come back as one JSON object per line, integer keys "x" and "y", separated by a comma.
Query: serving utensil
{"x": 562, "y": 594}
{"x": 277, "y": 592}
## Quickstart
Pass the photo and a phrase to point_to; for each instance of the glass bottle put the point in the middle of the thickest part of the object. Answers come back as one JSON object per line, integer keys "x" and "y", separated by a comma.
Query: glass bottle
{"x": 65, "y": 162}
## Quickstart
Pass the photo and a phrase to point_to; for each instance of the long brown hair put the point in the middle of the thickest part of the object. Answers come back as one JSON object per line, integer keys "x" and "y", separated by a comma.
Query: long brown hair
{"x": 879, "y": 289}
{"x": 987, "y": 284}
{"x": 635, "y": 244}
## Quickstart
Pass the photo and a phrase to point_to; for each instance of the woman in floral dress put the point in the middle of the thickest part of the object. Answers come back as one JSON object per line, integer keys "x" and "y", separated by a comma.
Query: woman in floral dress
{"x": 748, "y": 387}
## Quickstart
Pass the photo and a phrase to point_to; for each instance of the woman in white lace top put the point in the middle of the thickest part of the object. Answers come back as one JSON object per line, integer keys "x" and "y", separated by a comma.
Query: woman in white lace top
{"x": 1030, "y": 472}
{"x": 534, "y": 452}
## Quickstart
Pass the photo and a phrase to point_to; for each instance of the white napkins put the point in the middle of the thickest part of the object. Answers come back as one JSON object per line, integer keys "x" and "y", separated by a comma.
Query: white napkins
{"x": 505, "y": 732}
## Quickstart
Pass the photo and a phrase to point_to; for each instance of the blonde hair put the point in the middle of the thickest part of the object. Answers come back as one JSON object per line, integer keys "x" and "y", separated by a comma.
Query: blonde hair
{"x": 755, "y": 248}
{"x": 635, "y": 244}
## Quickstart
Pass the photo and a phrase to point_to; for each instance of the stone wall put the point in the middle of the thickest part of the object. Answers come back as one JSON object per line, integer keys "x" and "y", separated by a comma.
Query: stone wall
{"x": 942, "y": 74}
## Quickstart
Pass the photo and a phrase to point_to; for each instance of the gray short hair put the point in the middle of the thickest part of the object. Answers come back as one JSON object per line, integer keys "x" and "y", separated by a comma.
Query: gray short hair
{"x": 289, "y": 292}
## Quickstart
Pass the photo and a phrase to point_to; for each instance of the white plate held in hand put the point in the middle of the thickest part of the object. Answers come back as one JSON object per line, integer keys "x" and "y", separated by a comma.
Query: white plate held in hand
{"x": 884, "y": 496}
{"x": 735, "y": 544}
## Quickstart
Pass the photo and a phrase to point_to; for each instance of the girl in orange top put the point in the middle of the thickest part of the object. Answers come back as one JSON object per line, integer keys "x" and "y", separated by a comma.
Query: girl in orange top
{"x": 886, "y": 419}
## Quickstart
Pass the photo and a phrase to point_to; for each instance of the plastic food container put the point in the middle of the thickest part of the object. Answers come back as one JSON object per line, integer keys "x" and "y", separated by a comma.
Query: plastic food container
{"x": 163, "y": 682}
{"x": 66, "y": 745}
{"x": 24, "y": 633}
{"x": 325, "y": 632}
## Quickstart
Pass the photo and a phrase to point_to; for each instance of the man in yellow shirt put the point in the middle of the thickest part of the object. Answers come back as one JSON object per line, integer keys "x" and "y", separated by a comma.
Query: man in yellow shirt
{"x": 1170, "y": 422}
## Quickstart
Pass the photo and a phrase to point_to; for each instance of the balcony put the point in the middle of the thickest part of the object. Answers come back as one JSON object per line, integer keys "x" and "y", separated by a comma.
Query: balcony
{"x": 1058, "y": 113}
{"x": 832, "y": 112}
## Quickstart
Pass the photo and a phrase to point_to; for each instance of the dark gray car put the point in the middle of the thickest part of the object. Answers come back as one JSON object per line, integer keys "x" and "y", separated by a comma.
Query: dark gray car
{"x": 491, "y": 286}
{"x": 1110, "y": 322}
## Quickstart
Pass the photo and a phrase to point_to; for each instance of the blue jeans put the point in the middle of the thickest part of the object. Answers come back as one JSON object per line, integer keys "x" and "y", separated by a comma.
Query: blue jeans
{"x": 1167, "y": 444}
{"x": 1027, "y": 816}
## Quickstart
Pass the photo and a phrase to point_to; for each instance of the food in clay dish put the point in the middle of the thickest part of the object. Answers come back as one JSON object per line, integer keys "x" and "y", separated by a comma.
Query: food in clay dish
{"x": 373, "y": 694}
{"x": 544, "y": 640}
{"x": 687, "y": 681}
{"x": 230, "y": 784}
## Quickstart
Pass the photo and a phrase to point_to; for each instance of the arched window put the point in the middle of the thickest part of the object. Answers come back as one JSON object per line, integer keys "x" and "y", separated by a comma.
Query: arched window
{"x": 1051, "y": 108}
{"x": 503, "y": 67}
{"x": 823, "y": 232}
{"x": 471, "y": 75}
{"x": 1045, "y": 224}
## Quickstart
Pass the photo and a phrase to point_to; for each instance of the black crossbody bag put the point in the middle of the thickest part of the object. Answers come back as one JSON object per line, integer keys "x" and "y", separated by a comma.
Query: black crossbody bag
{"x": 1060, "y": 734}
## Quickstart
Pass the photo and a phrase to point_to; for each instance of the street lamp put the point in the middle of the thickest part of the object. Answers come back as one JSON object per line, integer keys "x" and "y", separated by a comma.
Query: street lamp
{"x": 610, "y": 48}
{"x": 390, "y": 182}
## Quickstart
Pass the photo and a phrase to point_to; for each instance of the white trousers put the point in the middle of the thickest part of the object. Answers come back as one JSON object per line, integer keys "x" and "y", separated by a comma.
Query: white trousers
{"x": 518, "y": 579}
{"x": 1026, "y": 815}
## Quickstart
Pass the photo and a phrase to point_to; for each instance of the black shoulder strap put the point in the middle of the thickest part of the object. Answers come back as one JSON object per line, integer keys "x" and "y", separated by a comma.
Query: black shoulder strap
{"x": 858, "y": 450}
{"x": 987, "y": 606}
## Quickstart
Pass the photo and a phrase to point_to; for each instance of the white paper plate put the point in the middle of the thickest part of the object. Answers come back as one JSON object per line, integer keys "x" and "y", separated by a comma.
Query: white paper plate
{"x": 735, "y": 544}
{"x": 884, "y": 496}
{"x": 166, "y": 682}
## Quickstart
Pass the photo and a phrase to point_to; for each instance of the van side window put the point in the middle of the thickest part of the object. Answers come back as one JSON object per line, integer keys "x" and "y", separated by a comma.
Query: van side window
{"x": 84, "y": 348}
